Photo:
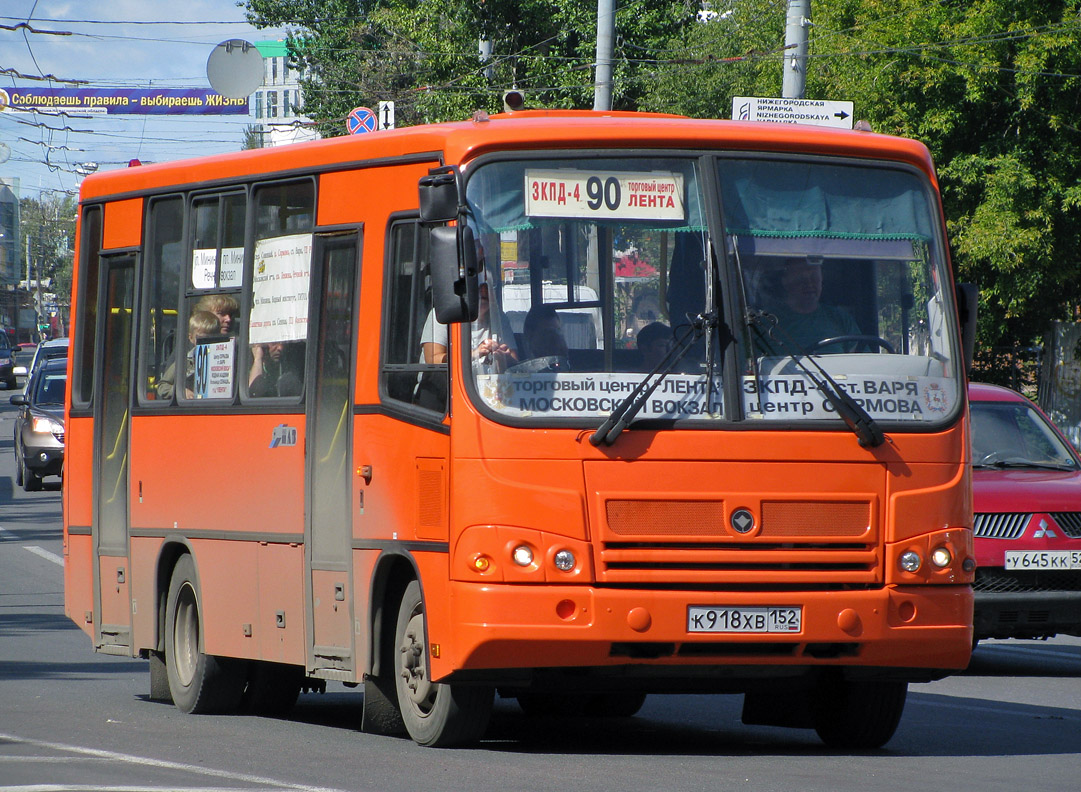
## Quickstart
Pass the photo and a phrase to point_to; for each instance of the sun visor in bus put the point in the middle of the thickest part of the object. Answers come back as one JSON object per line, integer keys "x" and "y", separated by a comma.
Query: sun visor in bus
{"x": 830, "y": 247}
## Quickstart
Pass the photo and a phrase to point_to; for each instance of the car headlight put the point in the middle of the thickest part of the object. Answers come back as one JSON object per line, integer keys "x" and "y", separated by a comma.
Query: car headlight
{"x": 42, "y": 424}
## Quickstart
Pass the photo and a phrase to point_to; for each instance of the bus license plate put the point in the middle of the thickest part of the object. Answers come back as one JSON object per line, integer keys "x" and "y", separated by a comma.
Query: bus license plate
{"x": 1043, "y": 559}
{"x": 723, "y": 619}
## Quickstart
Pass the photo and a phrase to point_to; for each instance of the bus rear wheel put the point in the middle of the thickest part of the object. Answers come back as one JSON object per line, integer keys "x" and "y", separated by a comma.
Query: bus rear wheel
{"x": 435, "y": 714}
{"x": 857, "y": 714}
{"x": 198, "y": 682}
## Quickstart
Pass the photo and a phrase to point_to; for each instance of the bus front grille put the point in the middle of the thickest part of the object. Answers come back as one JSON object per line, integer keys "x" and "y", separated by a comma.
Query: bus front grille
{"x": 827, "y": 542}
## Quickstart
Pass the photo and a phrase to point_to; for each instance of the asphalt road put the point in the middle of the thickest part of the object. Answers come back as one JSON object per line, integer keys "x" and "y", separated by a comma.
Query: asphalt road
{"x": 74, "y": 720}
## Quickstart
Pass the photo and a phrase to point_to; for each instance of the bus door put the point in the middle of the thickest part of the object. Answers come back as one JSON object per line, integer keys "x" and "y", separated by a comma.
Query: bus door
{"x": 328, "y": 532}
{"x": 110, "y": 488}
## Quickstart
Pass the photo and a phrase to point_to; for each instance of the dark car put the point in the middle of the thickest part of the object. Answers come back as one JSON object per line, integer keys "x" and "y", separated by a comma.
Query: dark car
{"x": 46, "y": 350}
{"x": 1026, "y": 481}
{"x": 7, "y": 362}
{"x": 39, "y": 426}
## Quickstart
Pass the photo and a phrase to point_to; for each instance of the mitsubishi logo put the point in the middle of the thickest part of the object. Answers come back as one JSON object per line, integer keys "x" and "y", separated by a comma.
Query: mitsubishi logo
{"x": 1044, "y": 530}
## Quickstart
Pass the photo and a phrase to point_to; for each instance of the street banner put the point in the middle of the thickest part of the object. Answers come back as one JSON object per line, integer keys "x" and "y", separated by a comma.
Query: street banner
{"x": 120, "y": 101}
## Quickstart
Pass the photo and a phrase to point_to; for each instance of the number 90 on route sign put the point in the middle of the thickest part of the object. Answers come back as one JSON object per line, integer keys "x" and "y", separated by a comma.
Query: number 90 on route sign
{"x": 656, "y": 195}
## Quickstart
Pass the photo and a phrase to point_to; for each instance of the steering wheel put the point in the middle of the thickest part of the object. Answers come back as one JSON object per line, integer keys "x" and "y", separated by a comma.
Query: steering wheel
{"x": 537, "y": 364}
{"x": 867, "y": 340}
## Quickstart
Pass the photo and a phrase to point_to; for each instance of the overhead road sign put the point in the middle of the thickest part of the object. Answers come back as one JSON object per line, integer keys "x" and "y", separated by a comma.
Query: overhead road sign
{"x": 818, "y": 112}
{"x": 361, "y": 120}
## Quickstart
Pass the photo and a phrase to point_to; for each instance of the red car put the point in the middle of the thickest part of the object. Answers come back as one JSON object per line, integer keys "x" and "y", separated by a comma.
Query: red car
{"x": 1026, "y": 480}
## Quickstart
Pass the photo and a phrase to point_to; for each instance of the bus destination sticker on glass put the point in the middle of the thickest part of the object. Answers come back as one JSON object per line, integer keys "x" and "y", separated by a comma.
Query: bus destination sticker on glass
{"x": 657, "y": 195}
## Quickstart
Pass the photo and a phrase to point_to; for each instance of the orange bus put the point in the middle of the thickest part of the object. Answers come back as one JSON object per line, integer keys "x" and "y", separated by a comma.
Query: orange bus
{"x": 567, "y": 407}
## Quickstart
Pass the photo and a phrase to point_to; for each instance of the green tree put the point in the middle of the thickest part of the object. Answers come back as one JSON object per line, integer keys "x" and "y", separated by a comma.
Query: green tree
{"x": 991, "y": 87}
{"x": 48, "y": 226}
{"x": 424, "y": 54}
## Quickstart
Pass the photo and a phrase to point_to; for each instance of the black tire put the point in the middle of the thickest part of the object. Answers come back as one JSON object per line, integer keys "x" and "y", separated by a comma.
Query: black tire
{"x": 31, "y": 481}
{"x": 435, "y": 714}
{"x": 198, "y": 683}
{"x": 272, "y": 689}
{"x": 18, "y": 467}
{"x": 857, "y": 715}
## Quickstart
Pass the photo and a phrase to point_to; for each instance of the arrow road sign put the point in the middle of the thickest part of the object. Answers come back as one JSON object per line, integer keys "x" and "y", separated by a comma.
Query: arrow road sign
{"x": 819, "y": 112}
{"x": 386, "y": 115}
{"x": 361, "y": 120}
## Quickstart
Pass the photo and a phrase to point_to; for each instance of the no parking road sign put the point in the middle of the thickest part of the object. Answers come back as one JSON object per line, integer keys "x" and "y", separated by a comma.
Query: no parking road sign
{"x": 361, "y": 120}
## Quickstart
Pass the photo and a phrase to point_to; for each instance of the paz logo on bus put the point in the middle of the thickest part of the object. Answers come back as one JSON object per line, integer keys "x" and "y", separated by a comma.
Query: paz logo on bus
{"x": 742, "y": 521}
{"x": 283, "y": 436}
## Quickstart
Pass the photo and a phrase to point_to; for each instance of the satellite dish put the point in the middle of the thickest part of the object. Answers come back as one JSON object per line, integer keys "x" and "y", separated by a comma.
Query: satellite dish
{"x": 235, "y": 68}
{"x": 5, "y": 152}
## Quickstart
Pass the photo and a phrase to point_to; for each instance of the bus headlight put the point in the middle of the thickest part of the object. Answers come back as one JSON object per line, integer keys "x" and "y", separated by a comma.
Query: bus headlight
{"x": 523, "y": 555}
{"x": 941, "y": 557}
{"x": 911, "y": 561}
{"x": 564, "y": 560}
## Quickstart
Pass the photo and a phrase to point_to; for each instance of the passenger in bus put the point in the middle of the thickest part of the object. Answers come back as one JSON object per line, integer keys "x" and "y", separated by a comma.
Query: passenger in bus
{"x": 802, "y": 318}
{"x": 223, "y": 306}
{"x": 200, "y": 325}
{"x": 490, "y": 351}
{"x": 654, "y": 343}
{"x": 276, "y": 370}
{"x": 542, "y": 336}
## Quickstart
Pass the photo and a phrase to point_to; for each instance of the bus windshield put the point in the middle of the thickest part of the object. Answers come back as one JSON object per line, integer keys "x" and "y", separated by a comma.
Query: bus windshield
{"x": 597, "y": 272}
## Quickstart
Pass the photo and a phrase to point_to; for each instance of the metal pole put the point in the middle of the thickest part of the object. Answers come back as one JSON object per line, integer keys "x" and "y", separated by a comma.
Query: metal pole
{"x": 795, "y": 49}
{"x": 606, "y": 33}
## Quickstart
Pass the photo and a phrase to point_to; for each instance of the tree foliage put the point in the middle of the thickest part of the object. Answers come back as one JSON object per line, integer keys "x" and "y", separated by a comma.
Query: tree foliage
{"x": 991, "y": 86}
{"x": 425, "y": 56}
{"x": 48, "y": 226}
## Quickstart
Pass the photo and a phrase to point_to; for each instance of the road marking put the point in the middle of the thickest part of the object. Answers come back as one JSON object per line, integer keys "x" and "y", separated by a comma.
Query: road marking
{"x": 41, "y": 551}
{"x": 160, "y": 764}
{"x": 38, "y": 551}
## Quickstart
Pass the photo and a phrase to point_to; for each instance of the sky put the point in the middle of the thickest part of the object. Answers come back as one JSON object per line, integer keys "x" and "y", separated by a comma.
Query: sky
{"x": 113, "y": 44}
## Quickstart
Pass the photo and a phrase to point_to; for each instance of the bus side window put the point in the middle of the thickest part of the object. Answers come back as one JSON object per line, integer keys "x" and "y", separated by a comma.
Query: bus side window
{"x": 407, "y": 376}
{"x": 164, "y": 255}
{"x": 278, "y": 299}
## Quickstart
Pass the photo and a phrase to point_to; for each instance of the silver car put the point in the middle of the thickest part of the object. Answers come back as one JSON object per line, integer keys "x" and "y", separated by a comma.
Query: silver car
{"x": 39, "y": 426}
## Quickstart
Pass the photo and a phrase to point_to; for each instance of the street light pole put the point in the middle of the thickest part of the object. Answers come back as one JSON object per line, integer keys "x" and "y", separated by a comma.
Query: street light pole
{"x": 795, "y": 49}
{"x": 606, "y": 33}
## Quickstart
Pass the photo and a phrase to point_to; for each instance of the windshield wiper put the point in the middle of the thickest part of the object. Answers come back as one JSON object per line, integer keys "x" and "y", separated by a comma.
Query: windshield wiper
{"x": 855, "y": 417}
{"x": 634, "y": 401}
{"x": 1025, "y": 463}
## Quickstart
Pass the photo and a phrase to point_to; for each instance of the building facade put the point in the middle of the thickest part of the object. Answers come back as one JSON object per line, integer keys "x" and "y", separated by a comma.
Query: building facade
{"x": 276, "y": 104}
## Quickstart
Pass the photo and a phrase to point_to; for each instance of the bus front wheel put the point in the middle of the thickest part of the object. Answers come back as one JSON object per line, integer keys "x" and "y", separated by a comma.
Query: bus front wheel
{"x": 435, "y": 714}
{"x": 198, "y": 682}
{"x": 857, "y": 714}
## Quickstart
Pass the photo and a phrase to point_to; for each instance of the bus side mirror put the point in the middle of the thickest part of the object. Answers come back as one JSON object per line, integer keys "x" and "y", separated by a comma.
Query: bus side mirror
{"x": 452, "y": 252}
{"x": 440, "y": 200}
{"x": 454, "y": 269}
{"x": 968, "y": 298}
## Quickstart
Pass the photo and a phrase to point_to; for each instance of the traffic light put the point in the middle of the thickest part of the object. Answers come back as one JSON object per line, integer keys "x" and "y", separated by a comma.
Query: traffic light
{"x": 513, "y": 100}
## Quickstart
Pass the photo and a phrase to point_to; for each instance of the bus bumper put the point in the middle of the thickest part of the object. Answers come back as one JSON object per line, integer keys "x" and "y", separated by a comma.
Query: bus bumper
{"x": 512, "y": 626}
